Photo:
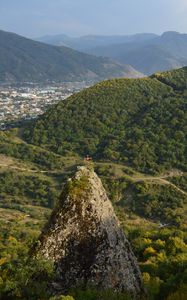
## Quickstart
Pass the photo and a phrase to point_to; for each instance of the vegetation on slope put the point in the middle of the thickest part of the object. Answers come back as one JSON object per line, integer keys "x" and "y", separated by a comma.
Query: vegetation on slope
{"x": 17, "y": 188}
{"x": 161, "y": 251}
{"x": 177, "y": 79}
{"x": 140, "y": 122}
{"x": 112, "y": 121}
{"x": 11, "y": 145}
{"x": 157, "y": 248}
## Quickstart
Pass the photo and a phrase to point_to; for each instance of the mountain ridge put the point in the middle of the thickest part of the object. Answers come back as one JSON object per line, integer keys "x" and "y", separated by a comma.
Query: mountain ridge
{"x": 90, "y": 41}
{"x": 162, "y": 53}
{"x": 26, "y": 60}
{"x": 146, "y": 52}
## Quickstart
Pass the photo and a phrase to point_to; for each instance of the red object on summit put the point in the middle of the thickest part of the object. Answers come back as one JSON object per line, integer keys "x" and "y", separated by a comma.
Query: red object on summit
{"x": 88, "y": 158}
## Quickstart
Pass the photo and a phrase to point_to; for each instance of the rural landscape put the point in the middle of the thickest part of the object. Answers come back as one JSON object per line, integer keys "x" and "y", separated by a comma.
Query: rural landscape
{"x": 93, "y": 166}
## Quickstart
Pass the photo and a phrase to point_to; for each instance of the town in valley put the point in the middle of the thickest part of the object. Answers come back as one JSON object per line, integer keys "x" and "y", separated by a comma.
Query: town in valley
{"x": 28, "y": 101}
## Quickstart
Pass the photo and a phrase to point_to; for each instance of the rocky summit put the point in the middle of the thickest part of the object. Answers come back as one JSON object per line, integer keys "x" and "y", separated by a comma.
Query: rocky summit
{"x": 84, "y": 239}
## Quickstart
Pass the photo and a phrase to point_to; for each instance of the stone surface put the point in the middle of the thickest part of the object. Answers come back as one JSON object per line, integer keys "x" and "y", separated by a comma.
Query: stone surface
{"x": 85, "y": 241}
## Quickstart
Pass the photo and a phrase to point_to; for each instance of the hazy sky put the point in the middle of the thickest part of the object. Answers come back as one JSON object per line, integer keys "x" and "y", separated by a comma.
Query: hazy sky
{"x": 35, "y": 18}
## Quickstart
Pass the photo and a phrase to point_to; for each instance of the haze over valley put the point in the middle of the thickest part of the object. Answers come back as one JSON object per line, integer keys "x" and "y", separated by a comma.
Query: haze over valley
{"x": 146, "y": 52}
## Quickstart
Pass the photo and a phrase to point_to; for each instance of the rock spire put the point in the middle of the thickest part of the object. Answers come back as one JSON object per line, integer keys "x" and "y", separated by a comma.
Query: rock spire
{"x": 84, "y": 239}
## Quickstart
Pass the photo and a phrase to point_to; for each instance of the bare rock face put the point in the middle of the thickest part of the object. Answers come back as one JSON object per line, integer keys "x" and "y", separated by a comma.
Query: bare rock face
{"x": 85, "y": 241}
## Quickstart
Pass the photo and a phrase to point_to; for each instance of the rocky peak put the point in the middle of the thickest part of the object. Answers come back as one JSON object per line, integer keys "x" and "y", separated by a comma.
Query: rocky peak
{"x": 85, "y": 241}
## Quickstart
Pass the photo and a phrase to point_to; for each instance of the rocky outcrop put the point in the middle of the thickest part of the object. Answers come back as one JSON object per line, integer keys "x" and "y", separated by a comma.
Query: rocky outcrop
{"x": 85, "y": 241}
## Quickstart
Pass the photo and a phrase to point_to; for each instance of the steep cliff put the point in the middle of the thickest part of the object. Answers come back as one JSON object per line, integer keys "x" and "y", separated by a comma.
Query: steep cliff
{"x": 85, "y": 241}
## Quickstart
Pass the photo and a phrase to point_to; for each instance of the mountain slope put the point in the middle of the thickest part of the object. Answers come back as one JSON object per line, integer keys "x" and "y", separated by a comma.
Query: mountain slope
{"x": 147, "y": 58}
{"x": 25, "y": 60}
{"x": 137, "y": 121}
{"x": 165, "y": 52}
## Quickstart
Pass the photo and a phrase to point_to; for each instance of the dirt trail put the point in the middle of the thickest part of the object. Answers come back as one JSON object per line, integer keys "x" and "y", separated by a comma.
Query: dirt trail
{"x": 26, "y": 169}
{"x": 174, "y": 186}
{"x": 162, "y": 179}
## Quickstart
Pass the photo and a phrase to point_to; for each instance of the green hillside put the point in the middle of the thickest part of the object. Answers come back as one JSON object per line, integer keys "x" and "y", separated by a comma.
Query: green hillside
{"x": 151, "y": 210}
{"x": 140, "y": 122}
{"x": 135, "y": 131}
{"x": 25, "y": 60}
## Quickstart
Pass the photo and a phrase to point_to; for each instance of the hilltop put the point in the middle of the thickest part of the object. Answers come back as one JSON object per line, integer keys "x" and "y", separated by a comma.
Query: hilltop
{"x": 140, "y": 122}
{"x": 25, "y": 60}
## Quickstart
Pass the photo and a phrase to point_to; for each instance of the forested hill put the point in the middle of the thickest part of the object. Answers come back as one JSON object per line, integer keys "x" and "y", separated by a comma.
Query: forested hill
{"x": 141, "y": 122}
{"x": 177, "y": 79}
{"x": 23, "y": 60}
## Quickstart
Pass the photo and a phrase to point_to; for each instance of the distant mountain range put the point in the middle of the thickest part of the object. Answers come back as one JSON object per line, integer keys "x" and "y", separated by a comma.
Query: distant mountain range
{"x": 147, "y": 53}
{"x": 24, "y": 60}
{"x": 91, "y": 41}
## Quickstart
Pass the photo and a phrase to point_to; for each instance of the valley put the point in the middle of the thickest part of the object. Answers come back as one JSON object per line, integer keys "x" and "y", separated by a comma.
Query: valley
{"x": 23, "y": 103}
